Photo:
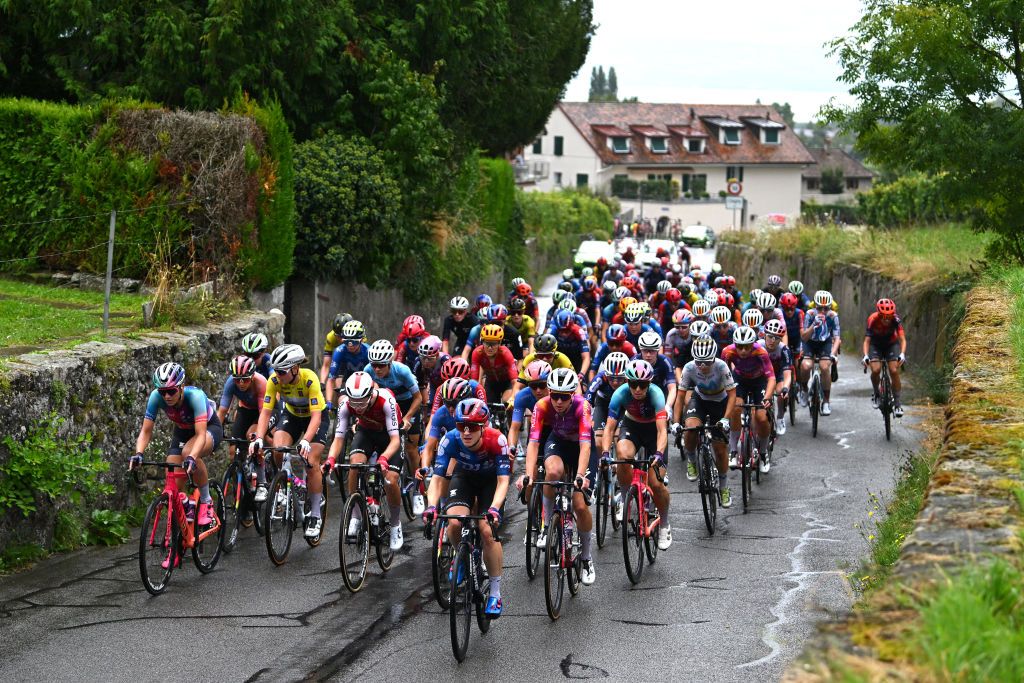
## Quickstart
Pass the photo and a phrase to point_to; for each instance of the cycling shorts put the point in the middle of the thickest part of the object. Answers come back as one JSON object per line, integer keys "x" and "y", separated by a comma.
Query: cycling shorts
{"x": 474, "y": 490}
{"x": 600, "y": 414}
{"x": 817, "y": 349}
{"x": 703, "y": 409}
{"x": 244, "y": 418}
{"x": 295, "y": 426}
{"x": 641, "y": 434}
{"x": 495, "y": 388}
{"x": 883, "y": 351}
{"x": 371, "y": 442}
{"x": 179, "y": 436}
{"x": 569, "y": 452}
{"x": 751, "y": 390}
{"x": 415, "y": 423}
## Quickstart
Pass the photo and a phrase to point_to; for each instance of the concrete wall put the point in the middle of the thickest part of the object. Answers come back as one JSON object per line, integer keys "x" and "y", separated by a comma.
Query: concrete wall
{"x": 925, "y": 312}
{"x": 101, "y": 389}
{"x": 768, "y": 189}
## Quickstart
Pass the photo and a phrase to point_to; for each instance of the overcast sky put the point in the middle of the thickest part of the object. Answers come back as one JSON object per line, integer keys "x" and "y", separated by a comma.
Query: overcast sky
{"x": 720, "y": 52}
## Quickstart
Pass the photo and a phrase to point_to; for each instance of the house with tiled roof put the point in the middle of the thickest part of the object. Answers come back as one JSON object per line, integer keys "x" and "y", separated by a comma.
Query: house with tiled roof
{"x": 695, "y": 148}
{"x": 856, "y": 177}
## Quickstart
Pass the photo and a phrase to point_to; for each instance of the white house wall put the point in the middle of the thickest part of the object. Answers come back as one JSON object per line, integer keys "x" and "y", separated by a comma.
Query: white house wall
{"x": 577, "y": 155}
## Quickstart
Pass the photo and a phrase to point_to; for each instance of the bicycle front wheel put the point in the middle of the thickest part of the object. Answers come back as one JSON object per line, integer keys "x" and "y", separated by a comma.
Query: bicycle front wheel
{"x": 886, "y": 403}
{"x": 650, "y": 540}
{"x": 210, "y": 538}
{"x": 158, "y": 545}
{"x": 354, "y": 551}
{"x": 708, "y": 487}
{"x": 815, "y": 406}
{"x": 603, "y": 499}
{"x": 792, "y": 406}
{"x": 409, "y": 488}
{"x": 277, "y": 519}
{"x": 572, "y": 562}
{"x": 534, "y": 524}
{"x": 746, "y": 465}
{"x": 234, "y": 501}
{"x": 632, "y": 536}
{"x": 441, "y": 555}
{"x": 554, "y": 585}
{"x": 460, "y": 610}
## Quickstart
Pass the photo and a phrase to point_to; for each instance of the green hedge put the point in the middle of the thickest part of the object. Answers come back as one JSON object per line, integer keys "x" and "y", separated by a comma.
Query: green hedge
{"x": 65, "y": 167}
{"x": 556, "y": 220}
{"x": 913, "y": 199}
{"x": 626, "y": 188}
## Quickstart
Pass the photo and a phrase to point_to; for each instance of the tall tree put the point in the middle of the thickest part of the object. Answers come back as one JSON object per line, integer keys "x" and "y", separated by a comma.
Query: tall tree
{"x": 785, "y": 111}
{"x": 613, "y": 85}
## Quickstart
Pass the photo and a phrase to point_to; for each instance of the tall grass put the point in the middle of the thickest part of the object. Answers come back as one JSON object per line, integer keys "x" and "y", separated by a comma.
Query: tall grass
{"x": 1011, "y": 280}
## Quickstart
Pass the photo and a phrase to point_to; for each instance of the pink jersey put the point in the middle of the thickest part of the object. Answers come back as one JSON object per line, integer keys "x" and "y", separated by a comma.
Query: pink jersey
{"x": 575, "y": 424}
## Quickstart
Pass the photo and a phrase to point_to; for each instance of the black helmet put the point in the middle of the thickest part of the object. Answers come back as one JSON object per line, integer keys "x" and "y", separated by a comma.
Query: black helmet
{"x": 546, "y": 343}
{"x": 339, "y": 322}
{"x": 517, "y": 304}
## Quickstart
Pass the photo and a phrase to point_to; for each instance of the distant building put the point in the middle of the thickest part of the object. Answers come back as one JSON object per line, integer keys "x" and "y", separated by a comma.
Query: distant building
{"x": 856, "y": 177}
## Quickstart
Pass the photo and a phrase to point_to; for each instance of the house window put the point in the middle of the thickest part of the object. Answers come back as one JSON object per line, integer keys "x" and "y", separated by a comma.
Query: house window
{"x": 695, "y": 145}
{"x": 582, "y": 180}
{"x": 659, "y": 145}
{"x": 537, "y": 147}
{"x": 732, "y": 136}
{"x": 770, "y": 136}
{"x": 620, "y": 145}
{"x": 812, "y": 183}
{"x": 558, "y": 179}
{"x": 852, "y": 184}
{"x": 558, "y": 145}
{"x": 686, "y": 182}
{"x": 734, "y": 172}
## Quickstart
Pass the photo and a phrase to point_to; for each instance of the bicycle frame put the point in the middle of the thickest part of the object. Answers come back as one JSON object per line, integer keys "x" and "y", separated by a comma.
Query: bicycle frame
{"x": 640, "y": 474}
{"x": 563, "y": 504}
{"x": 187, "y": 526}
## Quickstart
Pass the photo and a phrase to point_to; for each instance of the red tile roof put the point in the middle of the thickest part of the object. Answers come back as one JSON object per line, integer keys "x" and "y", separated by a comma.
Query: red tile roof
{"x": 650, "y": 132}
{"x": 593, "y": 119}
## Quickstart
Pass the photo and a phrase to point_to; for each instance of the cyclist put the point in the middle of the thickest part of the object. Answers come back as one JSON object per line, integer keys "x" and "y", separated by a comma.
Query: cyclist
{"x": 255, "y": 346}
{"x": 524, "y": 325}
{"x": 331, "y": 342}
{"x": 352, "y": 355}
{"x": 723, "y": 328}
{"x": 711, "y": 394}
{"x": 493, "y": 365}
{"x": 301, "y": 420}
{"x": 650, "y": 344}
{"x": 458, "y": 322}
{"x": 475, "y": 459}
{"x": 782, "y": 363}
{"x": 793, "y": 317}
{"x": 774, "y": 286}
{"x": 673, "y": 302}
{"x": 525, "y": 399}
{"x": 796, "y": 288}
{"x": 398, "y": 378}
{"x": 611, "y": 376}
{"x": 197, "y": 431}
{"x": 414, "y": 331}
{"x": 755, "y": 383}
{"x": 546, "y": 349}
{"x": 615, "y": 343}
{"x": 249, "y": 387}
{"x": 678, "y": 345}
{"x": 496, "y": 314}
{"x": 452, "y": 368}
{"x": 376, "y": 415}
{"x": 633, "y": 317}
{"x": 589, "y": 300}
{"x": 525, "y": 292}
{"x": 567, "y": 449}
{"x": 572, "y": 339}
{"x": 427, "y": 369}
{"x": 821, "y": 340}
{"x": 641, "y": 409}
{"x": 885, "y": 341}
{"x": 442, "y": 421}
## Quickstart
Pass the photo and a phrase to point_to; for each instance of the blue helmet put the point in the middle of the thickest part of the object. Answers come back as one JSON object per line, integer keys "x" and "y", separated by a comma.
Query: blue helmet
{"x": 563, "y": 319}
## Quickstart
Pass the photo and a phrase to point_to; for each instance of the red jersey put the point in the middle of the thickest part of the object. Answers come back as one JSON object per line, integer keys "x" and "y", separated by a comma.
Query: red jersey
{"x": 882, "y": 331}
{"x": 497, "y": 368}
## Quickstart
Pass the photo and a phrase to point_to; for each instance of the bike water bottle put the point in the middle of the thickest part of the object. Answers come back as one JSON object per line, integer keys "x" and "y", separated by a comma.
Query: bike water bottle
{"x": 190, "y": 507}
{"x": 374, "y": 512}
{"x": 252, "y": 479}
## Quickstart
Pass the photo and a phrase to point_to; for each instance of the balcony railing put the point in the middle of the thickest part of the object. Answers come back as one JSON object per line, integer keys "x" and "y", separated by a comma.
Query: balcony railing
{"x": 531, "y": 171}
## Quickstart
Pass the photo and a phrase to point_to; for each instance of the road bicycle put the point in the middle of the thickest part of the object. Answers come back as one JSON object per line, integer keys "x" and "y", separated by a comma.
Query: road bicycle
{"x": 749, "y": 456}
{"x": 239, "y": 486}
{"x": 170, "y": 528}
{"x": 367, "y": 504}
{"x": 792, "y": 399}
{"x": 707, "y": 474}
{"x": 470, "y": 584}
{"x": 562, "y": 549}
{"x": 640, "y": 520}
{"x": 500, "y": 419}
{"x": 287, "y": 506}
{"x": 442, "y": 554}
{"x": 534, "y": 524}
{"x": 886, "y": 399}
{"x": 605, "y": 488}
{"x": 815, "y": 396}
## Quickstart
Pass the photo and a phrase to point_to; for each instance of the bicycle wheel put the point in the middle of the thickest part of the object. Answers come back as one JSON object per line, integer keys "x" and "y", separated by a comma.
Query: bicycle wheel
{"x": 886, "y": 403}
{"x": 534, "y": 524}
{"x": 354, "y": 553}
{"x": 792, "y": 406}
{"x": 158, "y": 543}
{"x": 603, "y": 500}
{"x": 708, "y": 487}
{"x": 210, "y": 539}
{"x": 382, "y": 543}
{"x": 441, "y": 555}
{"x": 483, "y": 621}
{"x": 277, "y": 519}
{"x": 314, "y": 542}
{"x": 460, "y": 609}
{"x": 572, "y": 555}
{"x": 408, "y": 489}
{"x": 746, "y": 456}
{"x": 650, "y": 540}
{"x": 554, "y": 585}
{"x": 814, "y": 404}
{"x": 234, "y": 504}
{"x": 632, "y": 536}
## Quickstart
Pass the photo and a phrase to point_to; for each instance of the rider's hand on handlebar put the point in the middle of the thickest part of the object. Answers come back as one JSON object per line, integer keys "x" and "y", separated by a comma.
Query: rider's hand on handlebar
{"x": 383, "y": 464}
{"x": 493, "y": 516}
{"x": 135, "y": 461}
{"x": 327, "y": 466}
{"x": 421, "y": 473}
{"x": 724, "y": 425}
{"x": 903, "y": 358}
{"x": 189, "y": 463}
{"x": 255, "y": 445}
{"x": 865, "y": 361}
{"x": 523, "y": 482}
{"x": 304, "y": 448}
{"x": 582, "y": 483}
{"x": 429, "y": 515}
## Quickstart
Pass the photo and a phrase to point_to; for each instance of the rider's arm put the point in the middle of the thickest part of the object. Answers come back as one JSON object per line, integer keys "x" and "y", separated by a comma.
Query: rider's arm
{"x": 837, "y": 340}
{"x": 145, "y": 435}
{"x": 325, "y": 368}
{"x": 662, "y": 424}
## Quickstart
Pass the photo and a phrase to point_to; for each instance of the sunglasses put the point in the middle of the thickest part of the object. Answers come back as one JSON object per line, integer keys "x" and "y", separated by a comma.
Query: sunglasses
{"x": 470, "y": 427}
{"x": 704, "y": 363}
{"x": 639, "y": 385}
{"x": 558, "y": 398}
{"x": 459, "y": 312}
{"x": 415, "y": 340}
{"x": 773, "y": 336}
{"x": 744, "y": 347}
{"x": 544, "y": 356}
{"x": 492, "y": 345}
{"x": 167, "y": 392}
{"x": 352, "y": 342}
{"x": 379, "y": 365}
{"x": 537, "y": 386}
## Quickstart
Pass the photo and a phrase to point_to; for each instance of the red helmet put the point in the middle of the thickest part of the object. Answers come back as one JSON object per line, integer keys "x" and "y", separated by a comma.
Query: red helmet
{"x": 664, "y": 261}
{"x": 730, "y": 281}
{"x": 886, "y": 306}
{"x": 472, "y": 410}
{"x": 524, "y": 289}
{"x": 730, "y": 301}
{"x": 673, "y": 296}
{"x": 454, "y": 367}
{"x": 602, "y": 261}
{"x": 413, "y": 327}
{"x": 788, "y": 300}
{"x": 723, "y": 298}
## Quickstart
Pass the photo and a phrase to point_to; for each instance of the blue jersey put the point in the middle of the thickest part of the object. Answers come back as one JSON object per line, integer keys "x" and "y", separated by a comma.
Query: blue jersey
{"x": 251, "y": 398}
{"x": 648, "y": 409}
{"x": 608, "y": 312}
{"x": 634, "y": 339}
{"x": 345, "y": 362}
{"x": 656, "y": 326}
{"x": 193, "y": 407}
{"x": 442, "y": 422}
{"x": 399, "y": 380}
{"x": 491, "y": 458}
{"x": 524, "y": 400}
{"x": 600, "y": 390}
{"x": 722, "y": 334}
{"x": 263, "y": 365}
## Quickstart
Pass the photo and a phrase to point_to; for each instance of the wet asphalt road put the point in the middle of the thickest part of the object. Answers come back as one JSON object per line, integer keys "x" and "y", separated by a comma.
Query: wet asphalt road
{"x": 735, "y": 606}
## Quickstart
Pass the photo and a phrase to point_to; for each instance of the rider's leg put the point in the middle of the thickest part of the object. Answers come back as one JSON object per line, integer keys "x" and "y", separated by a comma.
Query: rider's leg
{"x": 876, "y": 375}
{"x": 314, "y": 478}
{"x": 894, "y": 374}
{"x": 553, "y": 471}
{"x": 455, "y": 526}
{"x": 826, "y": 377}
{"x": 690, "y": 439}
{"x": 493, "y": 559}
{"x": 625, "y": 450}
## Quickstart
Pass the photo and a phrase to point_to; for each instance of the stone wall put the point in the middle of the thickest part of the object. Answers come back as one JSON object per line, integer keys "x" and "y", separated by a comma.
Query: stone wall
{"x": 925, "y": 312}
{"x": 101, "y": 388}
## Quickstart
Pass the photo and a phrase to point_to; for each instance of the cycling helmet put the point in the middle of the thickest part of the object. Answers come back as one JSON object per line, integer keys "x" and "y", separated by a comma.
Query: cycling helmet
{"x": 287, "y": 356}
{"x": 822, "y": 298}
{"x": 701, "y": 308}
{"x": 563, "y": 319}
{"x": 516, "y": 281}
{"x": 546, "y": 343}
{"x": 753, "y": 317}
{"x": 720, "y": 315}
{"x": 700, "y": 328}
{"x": 517, "y": 305}
{"x": 718, "y": 281}
{"x": 774, "y": 280}
{"x": 704, "y": 349}
{"x": 639, "y": 371}
{"x": 459, "y": 303}
{"x": 566, "y": 286}
{"x": 414, "y": 326}
{"x": 359, "y": 386}
{"x": 454, "y": 390}
{"x": 558, "y": 296}
{"x": 492, "y": 333}
{"x": 619, "y": 294}
{"x": 711, "y": 297}
{"x": 744, "y": 335}
{"x": 353, "y": 331}
{"x": 615, "y": 333}
{"x": 682, "y": 317}
{"x": 649, "y": 341}
{"x": 563, "y": 380}
{"x": 472, "y": 410}
{"x": 664, "y": 286}
{"x": 775, "y": 327}
{"x": 609, "y": 286}
{"x": 629, "y": 282}
{"x": 602, "y": 261}
{"x": 723, "y": 298}
{"x": 646, "y": 307}
{"x": 796, "y": 287}
{"x": 497, "y": 313}
{"x": 754, "y": 293}
{"x": 625, "y": 302}
{"x": 483, "y": 301}
{"x": 685, "y": 289}
{"x": 615, "y": 363}
{"x": 254, "y": 342}
{"x": 381, "y": 351}
{"x": 673, "y": 295}
{"x": 429, "y": 347}
{"x": 730, "y": 281}
{"x": 567, "y": 304}
{"x": 886, "y": 306}
{"x": 766, "y": 300}
{"x": 567, "y": 274}
{"x": 687, "y": 280}
{"x": 339, "y": 322}
{"x": 716, "y": 267}
{"x": 589, "y": 283}
{"x": 455, "y": 367}
{"x": 537, "y": 371}
{"x": 587, "y": 272}
{"x": 634, "y": 313}
{"x": 169, "y": 376}
{"x": 730, "y": 301}
{"x": 524, "y": 290}
{"x": 242, "y": 367}
{"x": 789, "y": 300}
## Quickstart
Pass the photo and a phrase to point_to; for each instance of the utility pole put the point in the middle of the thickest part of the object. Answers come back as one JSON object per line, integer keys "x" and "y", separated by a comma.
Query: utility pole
{"x": 110, "y": 272}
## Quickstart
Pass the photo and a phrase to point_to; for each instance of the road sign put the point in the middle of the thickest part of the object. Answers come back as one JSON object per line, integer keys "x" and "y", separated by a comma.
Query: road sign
{"x": 734, "y": 203}
{"x": 734, "y": 187}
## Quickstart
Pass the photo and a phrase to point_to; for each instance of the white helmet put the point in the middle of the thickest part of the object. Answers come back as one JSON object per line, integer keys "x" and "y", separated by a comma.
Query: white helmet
{"x": 567, "y": 304}
{"x": 754, "y": 293}
{"x": 822, "y": 298}
{"x": 753, "y": 317}
{"x": 649, "y": 340}
{"x": 796, "y": 287}
{"x": 382, "y": 351}
{"x": 700, "y": 328}
{"x": 287, "y": 356}
{"x": 766, "y": 300}
{"x": 711, "y": 297}
{"x": 704, "y": 349}
{"x": 721, "y": 314}
{"x": 744, "y": 335}
{"x": 516, "y": 281}
{"x": 620, "y": 293}
{"x": 615, "y": 364}
{"x": 459, "y": 303}
{"x": 664, "y": 286}
{"x": 359, "y": 386}
{"x": 567, "y": 274}
{"x": 701, "y": 308}
{"x": 775, "y": 326}
{"x": 563, "y": 380}
{"x": 716, "y": 267}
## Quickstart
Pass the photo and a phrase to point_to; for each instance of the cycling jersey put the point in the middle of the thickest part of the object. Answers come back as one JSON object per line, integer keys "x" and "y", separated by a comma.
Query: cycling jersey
{"x": 524, "y": 400}
{"x": 755, "y": 366}
{"x": 678, "y": 347}
{"x": 609, "y": 311}
{"x": 498, "y": 368}
{"x": 476, "y": 387}
{"x": 560, "y": 360}
{"x": 722, "y": 334}
{"x": 572, "y": 339}
{"x": 459, "y": 329}
{"x": 656, "y": 326}
{"x": 603, "y": 350}
{"x": 664, "y": 375}
{"x": 526, "y": 329}
{"x": 382, "y": 415}
{"x": 331, "y": 342}
{"x": 600, "y": 390}
{"x": 344, "y": 362}
{"x": 399, "y": 380}
{"x": 429, "y": 378}
{"x": 647, "y": 409}
{"x": 794, "y": 323}
{"x": 634, "y": 338}
{"x": 511, "y": 341}
{"x": 301, "y": 398}
{"x": 193, "y": 407}
{"x": 263, "y": 365}
{"x": 575, "y": 424}
{"x": 883, "y": 332}
{"x": 782, "y": 360}
{"x": 491, "y": 458}
{"x": 824, "y": 327}
{"x": 441, "y": 423}
{"x": 251, "y": 398}
{"x": 711, "y": 384}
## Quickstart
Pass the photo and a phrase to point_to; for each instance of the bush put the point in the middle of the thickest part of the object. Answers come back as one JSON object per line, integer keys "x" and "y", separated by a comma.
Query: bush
{"x": 813, "y": 212}
{"x": 626, "y": 188}
{"x": 913, "y": 199}
{"x": 832, "y": 180}
{"x": 557, "y": 219}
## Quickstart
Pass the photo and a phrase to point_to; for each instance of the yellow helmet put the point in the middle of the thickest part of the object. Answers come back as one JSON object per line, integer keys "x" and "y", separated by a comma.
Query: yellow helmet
{"x": 492, "y": 333}
{"x": 625, "y": 301}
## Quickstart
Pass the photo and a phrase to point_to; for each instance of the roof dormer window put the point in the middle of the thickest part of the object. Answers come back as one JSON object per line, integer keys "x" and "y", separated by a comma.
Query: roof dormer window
{"x": 620, "y": 145}
{"x": 695, "y": 145}
{"x": 729, "y": 136}
{"x": 770, "y": 136}
{"x": 658, "y": 145}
